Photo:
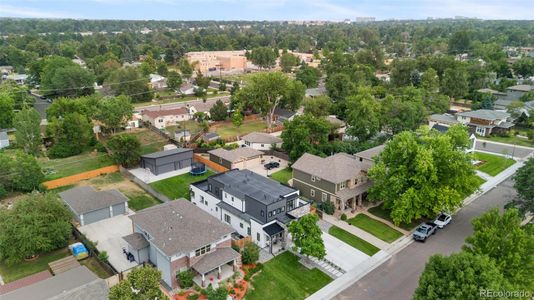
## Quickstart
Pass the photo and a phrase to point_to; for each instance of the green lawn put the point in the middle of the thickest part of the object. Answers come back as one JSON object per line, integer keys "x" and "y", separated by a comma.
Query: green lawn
{"x": 493, "y": 164}
{"x": 229, "y": 130}
{"x": 383, "y": 213}
{"x": 353, "y": 240}
{"x": 191, "y": 125}
{"x": 283, "y": 175}
{"x": 150, "y": 141}
{"x": 141, "y": 200}
{"x": 376, "y": 228}
{"x": 63, "y": 167}
{"x": 178, "y": 186}
{"x": 25, "y": 268}
{"x": 284, "y": 277}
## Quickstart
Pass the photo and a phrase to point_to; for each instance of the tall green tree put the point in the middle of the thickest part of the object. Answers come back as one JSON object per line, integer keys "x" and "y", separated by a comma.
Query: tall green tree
{"x": 308, "y": 75}
{"x": 503, "y": 240}
{"x": 363, "y": 115}
{"x": 27, "y": 122}
{"x": 430, "y": 80}
{"x": 524, "y": 184}
{"x": 455, "y": 82}
{"x": 421, "y": 174}
{"x": 459, "y": 276}
{"x": 63, "y": 78}
{"x": 125, "y": 150}
{"x": 304, "y": 134}
{"x": 36, "y": 224}
{"x": 65, "y": 130}
{"x": 306, "y": 236}
{"x": 142, "y": 283}
{"x": 7, "y": 104}
{"x": 129, "y": 82}
{"x": 114, "y": 112}
{"x": 405, "y": 111}
{"x": 524, "y": 67}
{"x": 219, "y": 111}
{"x": 288, "y": 61}
{"x": 460, "y": 42}
{"x": 174, "y": 81}
{"x": 318, "y": 106}
{"x": 263, "y": 57}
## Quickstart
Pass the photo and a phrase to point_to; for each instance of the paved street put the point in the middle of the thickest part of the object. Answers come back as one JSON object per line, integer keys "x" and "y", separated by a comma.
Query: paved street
{"x": 209, "y": 102}
{"x": 41, "y": 105}
{"x": 398, "y": 277}
{"x": 499, "y": 148}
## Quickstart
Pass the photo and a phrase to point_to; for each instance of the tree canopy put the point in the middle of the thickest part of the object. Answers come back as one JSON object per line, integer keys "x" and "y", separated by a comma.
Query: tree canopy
{"x": 142, "y": 283}
{"x": 125, "y": 150}
{"x": 524, "y": 184}
{"x": 304, "y": 134}
{"x": 306, "y": 236}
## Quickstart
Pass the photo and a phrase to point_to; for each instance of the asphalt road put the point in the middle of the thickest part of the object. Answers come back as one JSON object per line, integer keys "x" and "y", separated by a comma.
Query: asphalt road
{"x": 174, "y": 105}
{"x": 41, "y": 105}
{"x": 515, "y": 151}
{"x": 398, "y": 277}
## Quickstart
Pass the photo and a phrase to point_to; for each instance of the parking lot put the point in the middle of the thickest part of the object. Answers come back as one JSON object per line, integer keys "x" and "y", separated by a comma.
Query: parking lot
{"x": 108, "y": 235}
{"x": 260, "y": 169}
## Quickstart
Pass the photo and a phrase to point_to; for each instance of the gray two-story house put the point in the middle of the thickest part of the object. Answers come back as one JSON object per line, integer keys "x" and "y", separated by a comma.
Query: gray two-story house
{"x": 253, "y": 205}
{"x": 340, "y": 178}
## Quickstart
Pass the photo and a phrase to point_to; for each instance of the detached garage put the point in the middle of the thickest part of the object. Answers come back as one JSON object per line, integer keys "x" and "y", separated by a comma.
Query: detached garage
{"x": 168, "y": 161}
{"x": 89, "y": 205}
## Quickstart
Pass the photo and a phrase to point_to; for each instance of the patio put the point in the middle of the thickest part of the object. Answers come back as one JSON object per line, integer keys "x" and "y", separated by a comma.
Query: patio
{"x": 212, "y": 277}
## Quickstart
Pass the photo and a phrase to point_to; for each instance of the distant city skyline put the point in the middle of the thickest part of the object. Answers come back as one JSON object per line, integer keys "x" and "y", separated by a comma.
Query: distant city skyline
{"x": 332, "y": 10}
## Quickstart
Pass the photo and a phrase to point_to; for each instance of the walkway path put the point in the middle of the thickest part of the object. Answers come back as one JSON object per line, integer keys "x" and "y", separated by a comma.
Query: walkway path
{"x": 484, "y": 175}
{"x": 357, "y": 232}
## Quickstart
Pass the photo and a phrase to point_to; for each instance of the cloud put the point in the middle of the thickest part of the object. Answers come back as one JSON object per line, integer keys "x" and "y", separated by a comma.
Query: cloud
{"x": 25, "y": 12}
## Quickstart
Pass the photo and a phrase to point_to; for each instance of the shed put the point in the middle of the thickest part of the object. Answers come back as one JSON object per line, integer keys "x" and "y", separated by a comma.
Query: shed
{"x": 168, "y": 161}
{"x": 89, "y": 205}
{"x": 239, "y": 158}
{"x": 4, "y": 140}
{"x": 210, "y": 137}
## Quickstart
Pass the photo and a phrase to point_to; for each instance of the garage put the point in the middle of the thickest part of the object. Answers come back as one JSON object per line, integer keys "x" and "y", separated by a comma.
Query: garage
{"x": 89, "y": 205}
{"x": 167, "y": 161}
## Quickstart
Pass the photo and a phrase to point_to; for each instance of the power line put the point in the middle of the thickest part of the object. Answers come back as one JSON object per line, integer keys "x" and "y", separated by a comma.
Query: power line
{"x": 84, "y": 87}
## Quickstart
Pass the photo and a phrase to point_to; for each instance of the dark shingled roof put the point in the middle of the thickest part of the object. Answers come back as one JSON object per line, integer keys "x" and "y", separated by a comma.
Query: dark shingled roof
{"x": 136, "y": 240}
{"x": 440, "y": 128}
{"x": 273, "y": 229}
{"x": 84, "y": 199}
{"x": 214, "y": 259}
{"x": 166, "y": 153}
{"x": 180, "y": 226}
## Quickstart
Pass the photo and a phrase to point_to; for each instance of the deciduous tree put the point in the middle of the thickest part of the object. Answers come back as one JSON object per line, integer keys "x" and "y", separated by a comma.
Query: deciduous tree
{"x": 318, "y": 106}
{"x": 125, "y": 150}
{"x": 306, "y": 236}
{"x": 363, "y": 115}
{"x": 114, "y": 112}
{"x": 219, "y": 111}
{"x": 524, "y": 184}
{"x": 304, "y": 134}
{"x": 142, "y": 283}
{"x": 27, "y": 122}
{"x": 7, "y": 104}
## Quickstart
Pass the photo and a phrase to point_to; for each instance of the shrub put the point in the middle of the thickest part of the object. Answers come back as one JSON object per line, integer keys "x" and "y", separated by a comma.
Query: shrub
{"x": 100, "y": 147}
{"x": 103, "y": 256}
{"x": 185, "y": 278}
{"x": 192, "y": 297}
{"x": 3, "y": 191}
{"x": 250, "y": 253}
{"x": 343, "y": 217}
{"x": 328, "y": 207}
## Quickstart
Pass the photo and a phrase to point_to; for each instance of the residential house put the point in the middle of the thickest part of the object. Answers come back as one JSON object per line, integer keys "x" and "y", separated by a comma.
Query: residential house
{"x": 20, "y": 79}
{"x": 340, "y": 178}
{"x": 182, "y": 135}
{"x": 157, "y": 81}
{"x": 239, "y": 158}
{"x": 134, "y": 122}
{"x": 77, "y": 283}
{"x": 483, "y": 122}
{"x": 261, "y": 141}
{"x": 340, "y": 125}
{"x": 210, "y": 137}
{"x": 178, "y": 159}
{"x": 187, "y": 89}
{"x": 177, "y": 236}
{"x": 315, "y": 92}
{"x": 168, "y": 117}
{"x": 89, "y": 205}
{"x": 252, "y": 204}
{"x": 4, "y": 140}
{"x": 281, "y": 115}
{"x": 515, "y": 92}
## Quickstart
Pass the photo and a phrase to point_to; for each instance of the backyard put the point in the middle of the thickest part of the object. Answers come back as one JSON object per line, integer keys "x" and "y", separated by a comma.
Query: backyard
{"x": 25, "y": 268}
{"x": 150, "y": 141}
{"x": 141, "y": 200}
{"x": 283, "y": 175}
{"x": 192, "y": 125}
{"x": 375, "y": 227}
{"x": 284, "y": 277}
{"x": 178, "y": 186}
{"x": 227, "y": 130}
{"x": 492, "y": 164}
{"x": 353, "y": 240}
{"x": 63, "y": 167}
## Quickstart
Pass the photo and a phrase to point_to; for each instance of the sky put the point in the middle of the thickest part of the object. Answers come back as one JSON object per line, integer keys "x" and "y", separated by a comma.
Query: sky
{"x": 266, "y": 9}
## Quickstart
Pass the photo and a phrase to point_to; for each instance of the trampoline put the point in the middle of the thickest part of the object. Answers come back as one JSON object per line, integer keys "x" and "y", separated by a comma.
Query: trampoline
{"x": 197, "y": 169}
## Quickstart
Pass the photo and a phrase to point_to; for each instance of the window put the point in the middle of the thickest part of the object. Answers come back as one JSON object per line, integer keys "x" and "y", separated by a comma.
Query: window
{"x": 262, "y": 145}
{"x": 192, "y": 194}
{"x": 481, "y": 130}
{"x": 262, "y": 213}
{"x": 270, "y": 214}
{"x": 356, "y": 181}
{"x": 160, "y": 120}
{"x": 227, "y": 218}
{"x": 290, "y": 205}
{"x": 342, "y": 185}
{"x": 258, "y": 236}
{"x": 203, "y": 250}
{"x": 324, "y": 197}
{"x": 232, "y": 198}
{"x": 241, "y": 225}
{"x": 216, "y": 208}
{"x": 361, "y": 158}
{"x": 248, "y": 230}
{"x": 313, "y": 178}
{"x": 312, "y": 192}
{"x": 202, "y": 199}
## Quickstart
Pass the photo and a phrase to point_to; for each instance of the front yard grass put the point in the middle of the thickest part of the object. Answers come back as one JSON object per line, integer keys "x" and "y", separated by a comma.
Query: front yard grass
{"x": 284, "y": 277}
{"x": 283, "y": 175}
{"x": 141, "y": 200}
{"x": 26, "y": 268}
{"x": 492, "y": 164}
{"x": 353, "y": 240}
{"x": 63, "y": 167}
{"x": 383, "y": 213}
{"x": 376, "y": 228}
{"x": 178, "y": 186}
{"x": 230, "y": 130}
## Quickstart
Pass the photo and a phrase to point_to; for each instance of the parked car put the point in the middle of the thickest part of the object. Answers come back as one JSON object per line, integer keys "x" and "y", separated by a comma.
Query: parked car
{"x": 42, "y": 97}
{"x": 443, "y": 219}
{"x": 271, "y": 165}
{"x": 424, "y": 231}
{"x": 49, "y": 100}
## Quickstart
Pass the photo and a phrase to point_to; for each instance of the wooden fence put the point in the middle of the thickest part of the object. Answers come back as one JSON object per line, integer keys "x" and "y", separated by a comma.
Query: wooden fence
{"x": 241, "y": 243}
{"x": 212, "y": 165}
{"x": 52, "y": 184}
{"x": 144, "y": 185}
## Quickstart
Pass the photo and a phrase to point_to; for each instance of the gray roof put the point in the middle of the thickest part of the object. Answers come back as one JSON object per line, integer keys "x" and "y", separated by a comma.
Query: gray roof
{"x": 336, "y": 168}
{"x": 245, "y": 182}
{"x": 370, "y": 153}
{"x": 440, "y": 128}
{"x": 3, "y": 135}
{"x": 284, "y": 113}
{"x": 493, "y": 92}
{"x": 314, "y": 92}
{"x": 261, "y": 138}
{"x": 136, "y": 240}
{"x": 521, "y": 88}
{"x": 237, "y": 154}
{"x": 234, "y": 211}
{"x": 443, "y": 118}
{"x": 214, "y": 259}
{"x": 335, "y": 121}
{"x": 502, "y": 103}
{"x": 211, "y": 135}
{"x": 180, "y": 226}
{"x": 485, "y": 114}
{"x": 84, "y": 199}
{"x": 166, "y": 153}
{"x": 77, "y": 283}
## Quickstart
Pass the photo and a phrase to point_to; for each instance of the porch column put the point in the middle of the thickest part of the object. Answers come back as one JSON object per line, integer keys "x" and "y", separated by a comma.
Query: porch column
{"x": 360, "y": 200}
{"x": 203, "y": 281}
{"x": 354, "y": 202}
{"x": 235, "y": 265}
{"x": 219, "y": 272}
{"x": 342, "y": 206}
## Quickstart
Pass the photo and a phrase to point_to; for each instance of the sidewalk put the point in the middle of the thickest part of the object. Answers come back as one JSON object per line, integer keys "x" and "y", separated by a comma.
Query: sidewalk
{"x": 380, "y": 244}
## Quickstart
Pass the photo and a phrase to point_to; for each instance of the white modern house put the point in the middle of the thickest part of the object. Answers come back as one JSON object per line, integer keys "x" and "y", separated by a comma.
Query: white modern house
{"x": 252, "y": 204}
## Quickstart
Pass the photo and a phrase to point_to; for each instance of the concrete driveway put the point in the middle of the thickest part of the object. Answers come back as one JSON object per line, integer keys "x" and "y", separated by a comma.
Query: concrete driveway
{"x": 108, "y": 234}
{"x": 269, "y": 158}
{"x": 342, "y": 254}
